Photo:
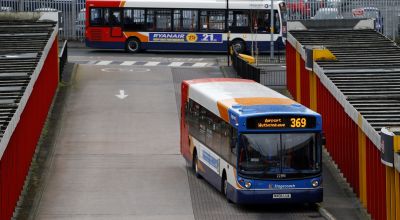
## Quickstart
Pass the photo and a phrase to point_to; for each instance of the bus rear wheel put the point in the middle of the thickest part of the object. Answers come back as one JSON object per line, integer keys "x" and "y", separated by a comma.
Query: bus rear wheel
{"x": 133, "y": 45}
{"x": 196, "y": 166}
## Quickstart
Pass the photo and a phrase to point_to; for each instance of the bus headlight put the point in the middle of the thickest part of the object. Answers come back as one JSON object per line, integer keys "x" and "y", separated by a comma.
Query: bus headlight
{"x": 247, "y": 185}
{"x": 315, "y": 183}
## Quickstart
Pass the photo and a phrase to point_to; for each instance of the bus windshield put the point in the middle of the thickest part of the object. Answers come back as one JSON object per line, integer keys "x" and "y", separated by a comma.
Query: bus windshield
{"x": 285, "y": 155}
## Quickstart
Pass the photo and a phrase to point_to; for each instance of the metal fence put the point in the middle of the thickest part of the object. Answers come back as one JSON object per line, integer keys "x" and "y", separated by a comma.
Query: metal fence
{"x": 272, "y": 75}
{"x": 386, "y": 12}
{"x": 72, "y": 13}
{"x": 244, "y": 69}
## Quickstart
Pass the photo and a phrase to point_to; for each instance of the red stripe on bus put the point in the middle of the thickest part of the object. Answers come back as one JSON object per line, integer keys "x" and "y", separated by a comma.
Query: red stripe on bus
{"x": 105, "y": 3}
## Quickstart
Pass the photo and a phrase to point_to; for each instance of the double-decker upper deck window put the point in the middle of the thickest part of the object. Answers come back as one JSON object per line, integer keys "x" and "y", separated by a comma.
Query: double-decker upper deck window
{"x": 213, "y": 20}
{"x": 185, "y": 20}
{"x": 96, "y": 16}
{"x": 134, "y": 19}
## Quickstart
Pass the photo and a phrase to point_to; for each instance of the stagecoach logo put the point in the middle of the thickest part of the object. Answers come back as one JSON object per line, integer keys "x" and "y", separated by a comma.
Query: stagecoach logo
{"x": 185, "y": 38}
{"x": 280, "y": 186}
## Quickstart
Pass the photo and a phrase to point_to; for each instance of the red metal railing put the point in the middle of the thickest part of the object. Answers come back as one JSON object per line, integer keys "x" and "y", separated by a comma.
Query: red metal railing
{"x": 343, "y": 140}
{"x": 16, "y": 160}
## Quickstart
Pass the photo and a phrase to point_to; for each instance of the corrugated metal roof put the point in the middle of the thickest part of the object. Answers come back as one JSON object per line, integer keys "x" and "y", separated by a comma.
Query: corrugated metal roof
{"x": 367, "y": 71}
{"x": 21, "y": 47}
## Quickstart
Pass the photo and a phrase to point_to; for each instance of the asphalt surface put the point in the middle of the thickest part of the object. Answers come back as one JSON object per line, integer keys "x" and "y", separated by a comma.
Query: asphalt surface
{"x": 118, "y": 158}
{"x": 112, "y": 158}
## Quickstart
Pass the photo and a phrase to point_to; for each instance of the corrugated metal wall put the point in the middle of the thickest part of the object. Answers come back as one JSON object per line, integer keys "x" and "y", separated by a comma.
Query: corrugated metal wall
{"x": 356, "y": 156}
{"x": 16, "y": 160}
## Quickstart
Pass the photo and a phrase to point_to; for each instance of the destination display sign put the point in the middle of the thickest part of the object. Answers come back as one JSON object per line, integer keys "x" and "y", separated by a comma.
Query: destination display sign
{"x": 281, "y": 122}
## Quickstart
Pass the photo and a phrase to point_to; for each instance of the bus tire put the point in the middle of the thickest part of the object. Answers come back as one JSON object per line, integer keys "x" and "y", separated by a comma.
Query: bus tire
{"x": 195, "y": 165}
{"x": 238, "y": 45}
{"x": 132, "y": 45}
{"x": 224, "y": 187}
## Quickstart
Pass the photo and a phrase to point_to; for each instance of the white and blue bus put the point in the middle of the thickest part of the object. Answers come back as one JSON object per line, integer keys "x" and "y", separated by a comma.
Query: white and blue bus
{"x": 183, "y": 25}
{"x": 250, "y": 142}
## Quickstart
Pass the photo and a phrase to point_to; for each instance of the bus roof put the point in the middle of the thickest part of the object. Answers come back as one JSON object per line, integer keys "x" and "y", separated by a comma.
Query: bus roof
{"x": 206, "y": 4}
{"x": 244, "y": 97}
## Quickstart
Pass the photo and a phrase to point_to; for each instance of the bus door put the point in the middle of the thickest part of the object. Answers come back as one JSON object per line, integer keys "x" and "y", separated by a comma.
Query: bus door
{"x": 115, "y": 22}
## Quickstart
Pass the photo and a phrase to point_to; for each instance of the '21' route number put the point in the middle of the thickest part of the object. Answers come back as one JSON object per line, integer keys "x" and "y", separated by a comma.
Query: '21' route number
{"x": 208, "y": 37}
{"x": 298, "y": 122}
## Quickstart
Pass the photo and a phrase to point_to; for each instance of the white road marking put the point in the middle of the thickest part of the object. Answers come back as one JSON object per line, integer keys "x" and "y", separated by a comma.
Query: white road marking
{"x": 91, "y": 62}
{"x": 121, "y": 94}
{"x": 199, "y": 64}
{"x": 103, "y": 63}
{"x": 176, "y": 64}
{"x": 128, "y": 63}
{"x": 151, "y": 64}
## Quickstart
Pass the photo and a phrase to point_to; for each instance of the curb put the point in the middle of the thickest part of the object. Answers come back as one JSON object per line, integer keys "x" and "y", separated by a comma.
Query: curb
{"x": 361, "y": 212}
{"x": 327, "y": 215}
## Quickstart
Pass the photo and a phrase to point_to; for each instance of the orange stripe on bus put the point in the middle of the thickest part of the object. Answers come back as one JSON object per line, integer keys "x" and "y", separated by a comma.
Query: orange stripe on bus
{"x": 224, "y": 105}
{"x": 264, "y": 101}
{"x": 122, "y": 4}
{"x": 210, "y": 80}
{"x": 141, "y": 37}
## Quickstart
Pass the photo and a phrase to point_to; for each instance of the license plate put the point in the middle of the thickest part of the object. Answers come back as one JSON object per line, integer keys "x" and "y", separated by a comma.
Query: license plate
{"x": 281, "y": 196}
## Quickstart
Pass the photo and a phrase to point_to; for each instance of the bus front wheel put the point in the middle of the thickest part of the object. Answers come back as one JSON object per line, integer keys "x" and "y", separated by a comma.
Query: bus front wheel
{"x": 239, "y": 46}
{"x": 224, "y": 187}
{"x": 133, "y": 45}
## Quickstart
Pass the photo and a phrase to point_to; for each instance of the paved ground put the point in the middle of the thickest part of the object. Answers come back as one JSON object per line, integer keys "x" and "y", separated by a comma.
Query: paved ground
{"x": 118, "y": 159}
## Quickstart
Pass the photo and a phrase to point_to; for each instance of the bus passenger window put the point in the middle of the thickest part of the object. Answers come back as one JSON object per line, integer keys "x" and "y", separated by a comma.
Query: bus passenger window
{"x": 277, "y": 24}
{"x": 185, "y": 20}
{"x": 233, "y": 143}
{"x": 115, "y": 18}
{"x": 134, "y": 19}
{"x": 212, "y": 20}
{"x": 96, "y": 17}
{"x": 150, "y": 25}
{"x": 163, "y": 20}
